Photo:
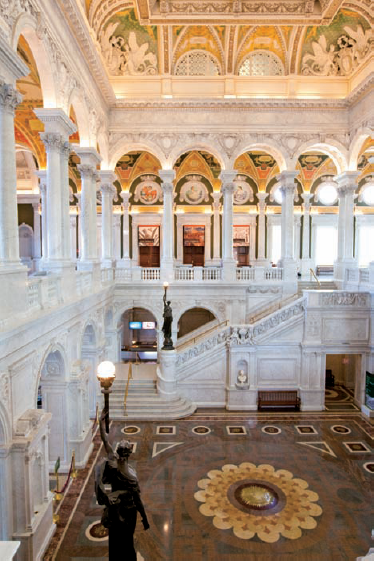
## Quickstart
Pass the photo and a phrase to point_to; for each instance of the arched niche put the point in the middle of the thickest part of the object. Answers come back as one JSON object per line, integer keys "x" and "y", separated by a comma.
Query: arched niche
{"x": 139, "y": 335}
{"x": 76, "y": 101}
{"x": 26, "y": 244}
{"x": 53, "y": 391}
{"x": 194, "y": 318}
{"x": 89, "y": 356}
{"x": 26, "y": 25}
{"x": 335, "y": 150}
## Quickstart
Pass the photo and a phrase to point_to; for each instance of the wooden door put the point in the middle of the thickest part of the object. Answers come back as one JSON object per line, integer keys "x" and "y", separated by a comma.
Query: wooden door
{"x": 149, "y": 256}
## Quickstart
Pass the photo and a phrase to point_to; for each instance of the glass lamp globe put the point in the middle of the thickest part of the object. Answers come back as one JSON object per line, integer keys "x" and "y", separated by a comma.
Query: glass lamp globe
{"x": 106, "y": 373}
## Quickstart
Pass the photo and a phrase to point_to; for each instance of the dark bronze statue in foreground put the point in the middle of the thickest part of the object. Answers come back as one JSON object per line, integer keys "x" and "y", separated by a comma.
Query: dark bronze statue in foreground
{"x": 123, "y": 502}
{"x": 166, "y": 328}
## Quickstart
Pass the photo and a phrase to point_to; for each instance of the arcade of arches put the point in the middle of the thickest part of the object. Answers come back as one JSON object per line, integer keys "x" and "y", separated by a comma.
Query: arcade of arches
{"x": 221, "y": 157}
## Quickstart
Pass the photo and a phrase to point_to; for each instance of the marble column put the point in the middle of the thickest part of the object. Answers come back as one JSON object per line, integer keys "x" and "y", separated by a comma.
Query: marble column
{"x": 73, "y": 234}
{"x": 88, "y": 208}
{"x": 216, "y": 261}
{"x": 227, "y": 189}
{"x": 108, "y": 192}
{"x": 261, "y": 253}
{"x": 306, "y": 262}
{"x": 37, "y": 240}
{"x": 116, "y": 236}
{"x": 9, "y": 239}
{"x": 346, "y": 186}
{"x": 57, "y": 128}
{"x": 125, "y": 261}
{"x": 167, "y": 256}
{"x": 42, "y": 174}
{"x": 287, "y": 261}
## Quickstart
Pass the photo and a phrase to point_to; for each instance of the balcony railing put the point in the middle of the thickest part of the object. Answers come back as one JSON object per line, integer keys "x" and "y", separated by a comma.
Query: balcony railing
{"x": 245, "y": 274}
{"x": 150, "y": 274}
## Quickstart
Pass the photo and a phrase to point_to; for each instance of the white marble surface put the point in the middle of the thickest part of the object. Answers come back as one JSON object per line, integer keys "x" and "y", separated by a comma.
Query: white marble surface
{"x": 8, "y": 550}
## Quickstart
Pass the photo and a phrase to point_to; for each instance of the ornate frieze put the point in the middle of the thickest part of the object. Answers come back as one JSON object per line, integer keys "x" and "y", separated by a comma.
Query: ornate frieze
{"x": 202, "y": 347}
{"x": 358, "y": 299}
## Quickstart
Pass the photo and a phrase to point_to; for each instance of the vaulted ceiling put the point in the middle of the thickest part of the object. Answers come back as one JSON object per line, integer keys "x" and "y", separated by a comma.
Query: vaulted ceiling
{"x": 232, "y": 37}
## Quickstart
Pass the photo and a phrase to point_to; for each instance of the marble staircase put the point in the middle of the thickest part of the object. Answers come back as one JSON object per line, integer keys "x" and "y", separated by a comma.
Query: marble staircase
{"x": 313, "y": 285}
{"x": 143, "y": 402}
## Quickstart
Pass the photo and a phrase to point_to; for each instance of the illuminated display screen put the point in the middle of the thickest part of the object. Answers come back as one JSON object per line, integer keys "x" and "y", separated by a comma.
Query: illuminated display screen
{"x": 135, "y": 324}
{"x": 148, "y": 325}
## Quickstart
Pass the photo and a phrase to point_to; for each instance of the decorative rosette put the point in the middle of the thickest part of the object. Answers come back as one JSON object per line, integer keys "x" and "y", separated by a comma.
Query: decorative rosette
{"x": 258, "y": 500}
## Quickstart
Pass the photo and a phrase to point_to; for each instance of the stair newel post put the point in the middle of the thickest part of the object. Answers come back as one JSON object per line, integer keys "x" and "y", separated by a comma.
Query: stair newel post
{"x": 166, "y": 375}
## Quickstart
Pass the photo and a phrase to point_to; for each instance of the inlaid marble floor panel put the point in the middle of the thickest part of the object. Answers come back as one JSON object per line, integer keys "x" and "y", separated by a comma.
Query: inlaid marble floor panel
{"x": 235, "y": 487}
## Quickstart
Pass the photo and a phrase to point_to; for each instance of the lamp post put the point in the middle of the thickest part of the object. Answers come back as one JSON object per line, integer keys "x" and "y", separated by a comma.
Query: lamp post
{"x": 168, "y": 320}
{"x": 105, "y": 375}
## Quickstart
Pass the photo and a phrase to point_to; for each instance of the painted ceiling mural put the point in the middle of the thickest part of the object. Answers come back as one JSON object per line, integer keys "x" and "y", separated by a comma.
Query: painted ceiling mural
{"x": 26, "y": 124}
{"x": 128, "y": 48}
{"x": 135, "y": 45}
{"x": 339, "y": 48}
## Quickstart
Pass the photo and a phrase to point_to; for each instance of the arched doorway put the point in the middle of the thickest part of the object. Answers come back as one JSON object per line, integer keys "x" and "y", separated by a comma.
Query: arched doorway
{"x": 89, "y": 356}
{"x": 194, "y": 319}
{"x": 345, "y": 382}
{"x": 52, "y": 397}
{"x": 138, "y": 336}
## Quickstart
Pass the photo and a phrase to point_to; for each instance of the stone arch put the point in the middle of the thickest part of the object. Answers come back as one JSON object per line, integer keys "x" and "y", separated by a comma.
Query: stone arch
{"x": 209, "y": 307}
{"x": 332, "y": 148}
{"x": 26, "y": 242}
{"x": 270, "y": 149}
{"x": 124, "y": 147}
{"x": 196, "y": 146}
{"x": 27, "y": 26}
{"x": 89, "y": 334}
{"x": 5, "y": 426}
{"x": 122, "y": 308}
{"x": 53, "y": 381}
{"x": 89, "y": 356}
{"x": 103, "y": 144}
{"x": 81, "y": 112}
{"x": 356, "y": 145}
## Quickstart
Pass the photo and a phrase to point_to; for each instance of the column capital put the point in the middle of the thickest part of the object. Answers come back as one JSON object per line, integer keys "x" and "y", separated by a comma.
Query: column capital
{"x": 167, "y": 175}
{"x": 227, "y": 176}
{"x": 107, "y": 176}
{"x": 42, "y": 175}
{"x": 216, "y": 195}
{"x": 55, "y": 121}
{"x": 261, "y": 195}
{"x": 53, "y": 141}
{"x": 87, "y": 171}
{"x": 287, "y": 179}
{"x": 167, "y": 187}
{"x": 108, "y": 189}
{"x": 9, "y": 97}
{"x": 125, "y": 196}
{"x": 88, "y": 156}
{"x": 346, "y": 182}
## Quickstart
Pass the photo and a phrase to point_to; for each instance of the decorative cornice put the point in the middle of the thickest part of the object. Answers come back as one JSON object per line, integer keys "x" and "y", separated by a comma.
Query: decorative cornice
{"x": 80, "y": 29}
{"x": 232, "y": 104}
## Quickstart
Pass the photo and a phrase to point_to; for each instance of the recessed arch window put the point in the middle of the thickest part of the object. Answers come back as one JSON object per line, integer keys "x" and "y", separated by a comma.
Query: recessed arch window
{"x": 261, "y": 63}
{"x": 326, "y": 193}
{"x": 367, "y": 193}
{"x": 197, "y": 63}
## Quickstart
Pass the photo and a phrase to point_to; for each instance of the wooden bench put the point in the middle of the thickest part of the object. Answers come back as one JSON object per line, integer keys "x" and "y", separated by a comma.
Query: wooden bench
{"x": 324, "y": 270}
{"x": 278, "y": 398}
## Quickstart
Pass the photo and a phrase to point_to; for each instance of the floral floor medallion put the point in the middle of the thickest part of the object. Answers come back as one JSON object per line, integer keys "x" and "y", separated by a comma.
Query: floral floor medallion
{"x": 258, "y": 501}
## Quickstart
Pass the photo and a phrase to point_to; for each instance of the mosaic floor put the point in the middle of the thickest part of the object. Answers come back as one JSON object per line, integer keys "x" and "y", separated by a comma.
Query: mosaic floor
{"x": 225, "y": 486}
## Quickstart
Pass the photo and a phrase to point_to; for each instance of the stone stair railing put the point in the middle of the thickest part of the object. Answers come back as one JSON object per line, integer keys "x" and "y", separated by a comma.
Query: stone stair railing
{"x": 240, "y": 334}
{"x": 272, "y": 308}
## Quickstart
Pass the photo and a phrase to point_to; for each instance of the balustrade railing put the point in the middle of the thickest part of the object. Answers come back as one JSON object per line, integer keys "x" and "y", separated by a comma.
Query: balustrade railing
{"x": 352, "y": 275}
{"x": 245, "y": 274}
{"x": 184, "y": 273}
{"x": 150, "y": 273}
{"x": 34, "y": 294}
{"x": 273, "y": 273}
{"x": 364, "y": 275}
{"x": 106, "y": 275}
{"x": 123, "y": 275}
{"x": 212, "y": 273}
